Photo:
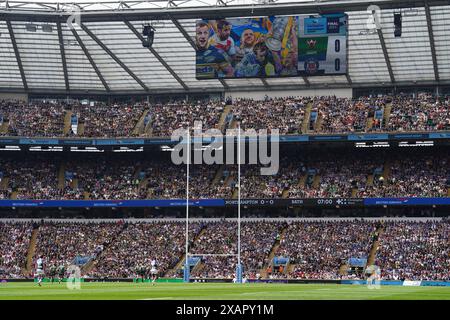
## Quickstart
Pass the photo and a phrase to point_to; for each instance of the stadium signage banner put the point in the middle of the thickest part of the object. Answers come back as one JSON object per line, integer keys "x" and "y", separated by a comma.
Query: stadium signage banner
{"x": 406, "y": 201}
{"x": 110, "y": 203}
{"x": 271, "y": 46}
{"x": 318, "y": 202}
{"x": 439, "y": 135}
{"x": 83, "y": 142}
{"x": 409, "y": 283}
{"x": 120, "y": 142}
{"x": 167, "y": 141}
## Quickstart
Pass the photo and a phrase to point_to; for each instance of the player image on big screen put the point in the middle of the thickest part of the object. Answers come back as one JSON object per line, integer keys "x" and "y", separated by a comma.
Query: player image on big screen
{"x": 275, "y": 46}
{"x": 246, "y": 47}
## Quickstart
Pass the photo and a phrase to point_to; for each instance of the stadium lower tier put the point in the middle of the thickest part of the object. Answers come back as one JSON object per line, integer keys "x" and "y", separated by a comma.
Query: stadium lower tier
{"x": 348, "y": 173}
{"x": 414, "y": 249}
{"x": 295, "y": 115}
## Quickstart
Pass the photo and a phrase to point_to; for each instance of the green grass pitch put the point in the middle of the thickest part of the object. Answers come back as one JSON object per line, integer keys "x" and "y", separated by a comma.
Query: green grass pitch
{"x": 223, "y": 291}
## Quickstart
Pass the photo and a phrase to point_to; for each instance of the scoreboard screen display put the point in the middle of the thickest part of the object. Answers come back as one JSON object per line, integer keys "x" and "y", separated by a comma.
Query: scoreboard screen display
{"x": 322, "y": 45}
{"x": 273, "y": 46}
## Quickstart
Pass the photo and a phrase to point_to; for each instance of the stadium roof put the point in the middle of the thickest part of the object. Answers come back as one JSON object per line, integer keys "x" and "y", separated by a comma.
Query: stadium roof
{"x": 39, "y": 53}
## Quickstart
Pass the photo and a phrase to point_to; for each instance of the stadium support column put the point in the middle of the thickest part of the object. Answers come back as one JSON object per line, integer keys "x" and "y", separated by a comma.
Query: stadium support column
{"x": 186, "y": 272}
{"x": 239, "y": 264}
{"x": 17, "y": 54}
{"x": 386, "y": 56}
{"x": 63, "y": 56}
{"x": 432, "y": 43}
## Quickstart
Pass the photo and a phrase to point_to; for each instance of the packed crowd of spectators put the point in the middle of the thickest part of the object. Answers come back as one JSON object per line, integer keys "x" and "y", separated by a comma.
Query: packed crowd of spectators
{"x": 334, "y": 115}
{"x": 34, "y": 119}
{"x": 200, "y": 181}
{"x": 343, "y": 115}
{"x": 139, "y": 244}
{"x": 319, "y": 248}
{"x": 59, "y": 243}
{"x": 104, "y": 120}
{"x": 415, "y": 250}
{"x": 179, "y": 115}
{"x": 253, "y": 184}
{"x": 14, "y": 242}
{"x": 284, "y": 114}
{"x": 422, "y": 113}
{"x": 337, "y": 178}
{"x": 103, "y": 178}
{"x": 30, "y": 179}
{"x": 408, "y": 250}
{"x": 412, "y": 177}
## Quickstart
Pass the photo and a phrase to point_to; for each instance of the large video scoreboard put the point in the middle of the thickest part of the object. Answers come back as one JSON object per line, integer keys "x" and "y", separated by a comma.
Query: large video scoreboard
{"x": 322, "y": 45}
{"x": 275, "y": 46}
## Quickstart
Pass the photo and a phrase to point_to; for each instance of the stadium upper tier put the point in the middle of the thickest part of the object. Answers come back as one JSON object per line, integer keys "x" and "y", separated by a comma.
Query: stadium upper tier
{"x": 410, "y": 250}
{"x": 40, "y": 52}
{"x": 299, "y": 115}
{"x": 357, "y": 175}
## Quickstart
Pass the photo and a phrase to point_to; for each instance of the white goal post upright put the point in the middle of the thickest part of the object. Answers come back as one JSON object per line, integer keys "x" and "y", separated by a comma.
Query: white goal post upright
{"x": 239, "y": 270}
{"x": 186, "y": 273}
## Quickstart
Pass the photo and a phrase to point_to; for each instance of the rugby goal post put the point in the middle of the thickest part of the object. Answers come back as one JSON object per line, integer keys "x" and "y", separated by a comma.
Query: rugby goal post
{"x": 239, "y": 267}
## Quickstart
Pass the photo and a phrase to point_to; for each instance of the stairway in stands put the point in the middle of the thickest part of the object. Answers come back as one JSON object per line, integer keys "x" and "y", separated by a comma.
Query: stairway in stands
{"x": 61, "y": 177}
{"x": 179, "y": 265}
{"x": 148, "y": 128}
{"x": 375, "y": 246}
{"x": 386, "y": 171}
{"x": 28, "y": 270}
{"x": 4, "y": 183}
{"x": 305, "y": 124}
{"x": 302, "y": 180}
{"x": 91, "y": 263}
{"x": 74, "y": 184}
{"x": 370, "y": 179}
{"x": 198, "y": 268}
{"x": 343, "y": 269}
{"x": 316, "y": 181}
{"x": 80, "y": 129}
{"x": 369, "y": 124}
{"x": 218, "y": 176}
{"x": 4, "y": 127}
{"x": 232, "y": 177}
{"x": 318, "y": 124}
{"x": 67, "y": 122}
{"x": 223, "y": 117}
{"x": 290, "y": 267}
{"x": 139, "y": 128}
{"x": 387, "y": 114}
{"x": 273, "y": 251}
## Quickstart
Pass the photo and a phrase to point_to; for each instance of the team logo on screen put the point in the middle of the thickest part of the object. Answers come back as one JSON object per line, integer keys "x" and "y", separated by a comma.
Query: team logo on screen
{"x": 311, "y": 43}
{"x": 311, "y": 66}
